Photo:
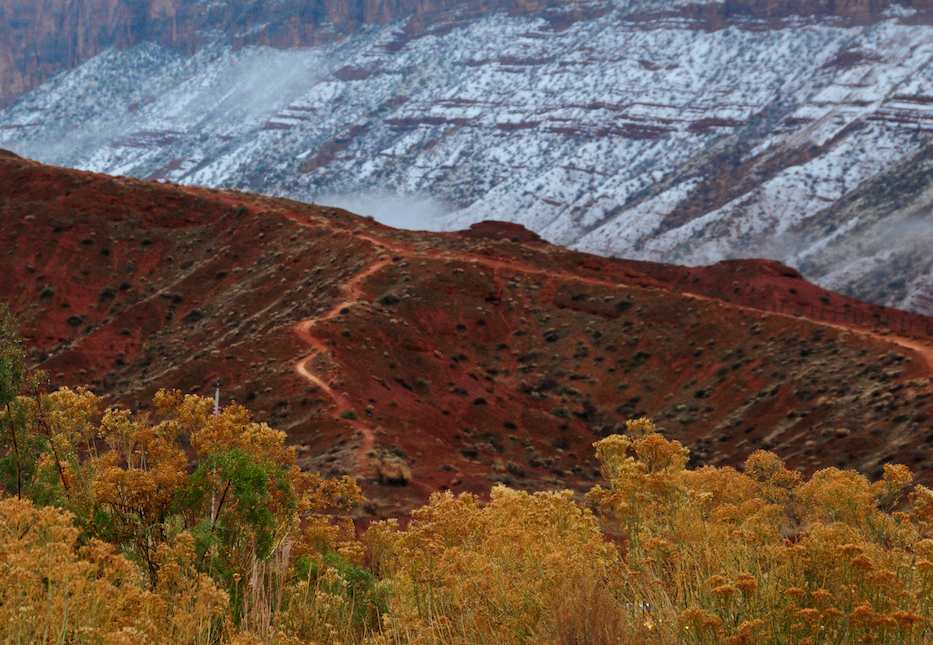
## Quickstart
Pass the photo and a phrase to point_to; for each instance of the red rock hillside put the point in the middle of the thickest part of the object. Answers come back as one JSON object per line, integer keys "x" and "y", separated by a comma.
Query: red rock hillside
{"x": 422, "y": 361}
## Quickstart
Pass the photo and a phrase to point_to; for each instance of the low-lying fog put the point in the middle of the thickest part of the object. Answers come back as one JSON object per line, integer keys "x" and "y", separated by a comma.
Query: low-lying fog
{"x": 412, "y": 212}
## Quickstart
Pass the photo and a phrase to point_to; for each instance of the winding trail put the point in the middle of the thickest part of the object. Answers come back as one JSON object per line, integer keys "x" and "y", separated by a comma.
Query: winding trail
{"x": 354, "y": 292}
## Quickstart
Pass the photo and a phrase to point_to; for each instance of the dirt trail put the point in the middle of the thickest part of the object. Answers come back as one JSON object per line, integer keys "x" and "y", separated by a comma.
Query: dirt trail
{"x": 304, "y": 330}
{"x": 922, "y": 350}
{"x": 353, "y": 290}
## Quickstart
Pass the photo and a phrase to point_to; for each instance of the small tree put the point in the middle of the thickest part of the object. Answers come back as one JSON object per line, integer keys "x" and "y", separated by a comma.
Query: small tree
{"x": 16, "y": 453}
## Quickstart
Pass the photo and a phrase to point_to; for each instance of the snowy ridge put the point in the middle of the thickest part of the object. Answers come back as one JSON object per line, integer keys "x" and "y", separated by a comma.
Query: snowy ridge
{"x": 632, "y": 133}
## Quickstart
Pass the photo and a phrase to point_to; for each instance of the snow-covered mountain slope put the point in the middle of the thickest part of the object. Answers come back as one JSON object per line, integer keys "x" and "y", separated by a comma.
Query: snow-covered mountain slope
{"x": 644, "y": 129}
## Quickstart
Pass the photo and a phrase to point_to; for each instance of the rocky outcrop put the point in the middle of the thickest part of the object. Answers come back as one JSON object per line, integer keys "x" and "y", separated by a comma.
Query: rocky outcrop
{"x": 392, "y": 470}
{"x": 39, "y": 39}
{"x": 494, "y": 230}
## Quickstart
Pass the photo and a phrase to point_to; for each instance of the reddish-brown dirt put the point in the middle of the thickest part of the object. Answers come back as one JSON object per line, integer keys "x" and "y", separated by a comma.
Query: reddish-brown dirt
{"x": 477, "y": 357}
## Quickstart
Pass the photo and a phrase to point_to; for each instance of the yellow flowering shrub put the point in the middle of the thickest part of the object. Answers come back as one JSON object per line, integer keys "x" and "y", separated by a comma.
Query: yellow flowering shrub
{"x": 214, "y": 523}
{"x": 59, "y": 588}
{"x": 180, "y": 525}
{"x": 471, "y": 572}
{"x": 764, "y": 555}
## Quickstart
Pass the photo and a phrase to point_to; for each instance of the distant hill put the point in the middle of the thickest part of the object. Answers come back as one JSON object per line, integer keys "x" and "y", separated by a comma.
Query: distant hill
{"x": 685, "y": 131}
{"x": 427, "y": 360}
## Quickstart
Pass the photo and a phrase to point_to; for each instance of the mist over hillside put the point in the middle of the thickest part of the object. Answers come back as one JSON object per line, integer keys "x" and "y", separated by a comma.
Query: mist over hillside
{"x": 685, "y": 132}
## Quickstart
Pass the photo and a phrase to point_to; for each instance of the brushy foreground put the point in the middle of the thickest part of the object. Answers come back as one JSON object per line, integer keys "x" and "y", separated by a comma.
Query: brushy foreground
{"x": 178, "y": 525}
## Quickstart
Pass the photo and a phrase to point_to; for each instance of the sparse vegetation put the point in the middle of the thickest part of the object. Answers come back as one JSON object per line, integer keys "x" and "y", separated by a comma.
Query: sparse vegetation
{"x": 180, "y": 525}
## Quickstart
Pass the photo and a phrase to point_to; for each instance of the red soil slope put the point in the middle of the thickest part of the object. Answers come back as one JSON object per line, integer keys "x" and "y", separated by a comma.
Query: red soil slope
{"x": 422, "y": 361}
